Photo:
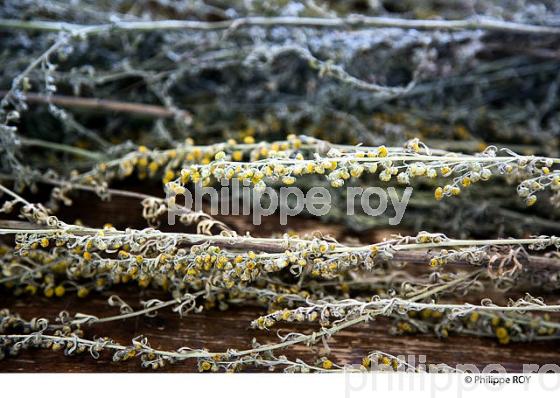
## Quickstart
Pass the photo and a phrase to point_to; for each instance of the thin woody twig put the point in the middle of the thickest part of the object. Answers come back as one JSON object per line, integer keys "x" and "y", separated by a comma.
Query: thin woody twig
{"x": 351, "y": 22}
{"x": 96, "y": 104}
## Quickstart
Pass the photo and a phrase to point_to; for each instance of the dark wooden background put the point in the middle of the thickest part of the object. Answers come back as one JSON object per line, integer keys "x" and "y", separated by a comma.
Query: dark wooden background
{"x": 220, "y": 330}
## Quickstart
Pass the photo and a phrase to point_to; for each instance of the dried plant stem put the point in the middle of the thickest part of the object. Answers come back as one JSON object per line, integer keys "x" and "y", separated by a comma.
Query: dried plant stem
{"x": 351, "y": 22}
{"x": 97, "y": 156}
{"x": 96, "y": 104}
{"x": 247, "y": 242}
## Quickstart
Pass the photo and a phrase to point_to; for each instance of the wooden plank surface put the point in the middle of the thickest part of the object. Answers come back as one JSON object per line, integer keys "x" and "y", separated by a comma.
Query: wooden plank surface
{"x": 220, "y": 330}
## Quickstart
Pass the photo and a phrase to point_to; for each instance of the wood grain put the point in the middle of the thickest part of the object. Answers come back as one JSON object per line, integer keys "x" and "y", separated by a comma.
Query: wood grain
{"x": 220, "y": 330}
